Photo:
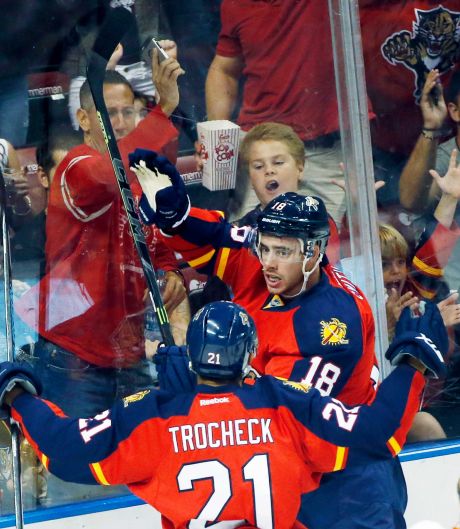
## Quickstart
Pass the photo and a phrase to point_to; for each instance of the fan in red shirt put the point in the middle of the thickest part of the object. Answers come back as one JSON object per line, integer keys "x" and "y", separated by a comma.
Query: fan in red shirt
{"x": 89, "y": 307}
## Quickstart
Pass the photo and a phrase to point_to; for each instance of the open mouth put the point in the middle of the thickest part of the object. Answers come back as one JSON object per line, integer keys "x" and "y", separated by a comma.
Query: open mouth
{"x": 393, "y": 284}
{"x": 272, "y": 185}
{"x": 272, "y": 280}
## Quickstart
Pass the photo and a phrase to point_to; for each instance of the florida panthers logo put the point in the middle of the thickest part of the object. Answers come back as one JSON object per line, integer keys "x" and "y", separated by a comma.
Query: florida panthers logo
{"x": 333, "y": 332}
{"x": 433, "y": 43}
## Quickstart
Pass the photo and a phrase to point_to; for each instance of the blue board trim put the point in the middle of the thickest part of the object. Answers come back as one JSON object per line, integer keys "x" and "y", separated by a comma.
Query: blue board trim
{"x": 410, "y": 453}
{"x": 43, "y": 514}
{"x": 432, "y": 449}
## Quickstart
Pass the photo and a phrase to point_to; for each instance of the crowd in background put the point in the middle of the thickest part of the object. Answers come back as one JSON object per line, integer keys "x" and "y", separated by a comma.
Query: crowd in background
{"x": 229, "y": 59}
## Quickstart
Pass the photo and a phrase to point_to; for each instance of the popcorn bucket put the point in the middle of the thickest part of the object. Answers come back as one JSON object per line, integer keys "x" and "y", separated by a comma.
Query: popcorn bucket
{"x": 219, "y": 149}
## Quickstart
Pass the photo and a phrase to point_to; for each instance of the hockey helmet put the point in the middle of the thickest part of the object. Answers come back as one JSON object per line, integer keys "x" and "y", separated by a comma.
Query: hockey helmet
{"x": 294, "y": 215}
{"x": 220, "y": 338}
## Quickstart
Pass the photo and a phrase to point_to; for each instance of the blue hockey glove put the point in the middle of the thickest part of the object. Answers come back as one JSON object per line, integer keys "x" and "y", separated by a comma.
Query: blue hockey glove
{"x": 173, "y": 369}
{"x": 164, "y": 200}
{"x": 17, "y": 374}
{"x": 422, "y": 337}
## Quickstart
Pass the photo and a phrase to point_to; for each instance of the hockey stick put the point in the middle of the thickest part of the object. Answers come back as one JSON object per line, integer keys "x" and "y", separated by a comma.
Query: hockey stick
{"x": 115, "y": 26}
{"x": 8, "y": 299}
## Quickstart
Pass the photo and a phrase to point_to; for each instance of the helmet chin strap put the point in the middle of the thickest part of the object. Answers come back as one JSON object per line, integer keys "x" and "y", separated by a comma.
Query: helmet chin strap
{"x": 306, "y": 275}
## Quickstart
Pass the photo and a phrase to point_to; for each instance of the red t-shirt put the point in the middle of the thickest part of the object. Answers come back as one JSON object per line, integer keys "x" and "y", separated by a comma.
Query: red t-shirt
{"x": 91, "y": 298}
{"x": 395, "y": 74}
{"x": 287, "y": 53}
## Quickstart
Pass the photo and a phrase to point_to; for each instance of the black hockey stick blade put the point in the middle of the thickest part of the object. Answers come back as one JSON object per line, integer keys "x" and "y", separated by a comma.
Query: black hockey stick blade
{"x": 113, "y": 29}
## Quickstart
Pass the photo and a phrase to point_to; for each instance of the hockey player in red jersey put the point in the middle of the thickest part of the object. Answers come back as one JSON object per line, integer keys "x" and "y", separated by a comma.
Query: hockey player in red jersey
{"x": 286, "y": 282}
{"x": 226, "y": 452}
{"x": 314, "y": 325}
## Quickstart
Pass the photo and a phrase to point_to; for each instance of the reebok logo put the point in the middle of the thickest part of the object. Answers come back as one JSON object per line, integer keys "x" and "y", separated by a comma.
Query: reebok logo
{"x": 215, "y": 400}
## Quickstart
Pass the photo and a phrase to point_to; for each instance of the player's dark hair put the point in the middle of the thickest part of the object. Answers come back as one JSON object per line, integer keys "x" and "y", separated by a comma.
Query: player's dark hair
{"x": 110, "y": 77}
{"x": 453, "y": 90}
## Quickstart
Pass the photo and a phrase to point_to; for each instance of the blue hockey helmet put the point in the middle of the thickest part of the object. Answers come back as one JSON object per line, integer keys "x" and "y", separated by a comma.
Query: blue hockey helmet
{"x": 220, "y": 339}
{"x": 294, "y": 215}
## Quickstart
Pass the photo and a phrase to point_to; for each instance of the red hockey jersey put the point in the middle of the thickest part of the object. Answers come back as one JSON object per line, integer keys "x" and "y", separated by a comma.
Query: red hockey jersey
{"x": 324, "y": 337}
{"x": 239, "y": 455}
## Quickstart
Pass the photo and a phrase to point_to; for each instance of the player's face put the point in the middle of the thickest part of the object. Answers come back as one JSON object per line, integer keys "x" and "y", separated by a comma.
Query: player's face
{"x": 119, "y": 100}
{"x": 394, "y": 273}
{"x": 281, "y": 260}
{"x": 272, "y": 170}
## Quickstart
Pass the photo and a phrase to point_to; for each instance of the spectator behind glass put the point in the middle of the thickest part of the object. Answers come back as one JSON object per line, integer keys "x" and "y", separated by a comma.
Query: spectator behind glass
{"x": 273, "y": 156}
{"x": 17, "y": 187}
{"x": 126, "y": 59}
{"x": 432, "y": 253}
{"x": 405, "y": 287}
{"x": 402, "y": 41}
{"x": 420, "y": 193}
{"x": 284, "y": 51}
{"x": 28, "y": 243}
{"x": 90, "y": 314}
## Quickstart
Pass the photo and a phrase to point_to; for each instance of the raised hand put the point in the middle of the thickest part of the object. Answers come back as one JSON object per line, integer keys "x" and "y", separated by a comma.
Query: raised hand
{"x": 433, "y": 114}
{"x": 165, "y": 75}
{"x": 164, "y": 200}
{"x": 450, "y": 310}
{"x": 450, "y": 182}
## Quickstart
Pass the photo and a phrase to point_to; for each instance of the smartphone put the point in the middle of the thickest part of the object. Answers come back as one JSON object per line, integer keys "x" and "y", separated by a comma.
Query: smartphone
{"x": 151, "y": 45}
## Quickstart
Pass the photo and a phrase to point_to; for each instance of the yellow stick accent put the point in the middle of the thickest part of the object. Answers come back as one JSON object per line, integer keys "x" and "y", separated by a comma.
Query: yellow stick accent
{"x": 426, "y": 268}
{"x": 223, "y": 262}
{"x": 201, "y": 260}
{"x": 394, "y": 445}
{"x": 339, "y": 458}
{"x": 45, "y": 461}
{"x": 100, "y": 475}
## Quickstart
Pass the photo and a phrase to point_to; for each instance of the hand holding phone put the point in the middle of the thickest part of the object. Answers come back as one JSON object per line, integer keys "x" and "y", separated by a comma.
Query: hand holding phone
{"x": 149, "y": 47}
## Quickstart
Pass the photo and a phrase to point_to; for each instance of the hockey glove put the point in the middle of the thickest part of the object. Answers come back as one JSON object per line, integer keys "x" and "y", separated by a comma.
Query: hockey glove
{"x": 164, "y": 200}
{"x": 17, "y": 374}
{"x": 422, "y": 337}
{"x": 173, "y": 369}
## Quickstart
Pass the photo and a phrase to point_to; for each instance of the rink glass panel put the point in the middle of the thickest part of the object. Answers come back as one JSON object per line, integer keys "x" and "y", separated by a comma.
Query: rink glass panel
{"x": 364, "y": 73}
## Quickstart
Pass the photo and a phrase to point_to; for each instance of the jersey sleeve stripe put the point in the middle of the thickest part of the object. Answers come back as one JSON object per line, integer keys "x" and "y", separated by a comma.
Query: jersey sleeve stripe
{"x": 99, "y": 474}
{"x": 428, "y": 294}
{"x": 203, "y": 259}
{"x": 429, "y": 270}
{"x": 340, "y": 458}
{"x": 394, "y": 446}
{"x": 223, "y": 260}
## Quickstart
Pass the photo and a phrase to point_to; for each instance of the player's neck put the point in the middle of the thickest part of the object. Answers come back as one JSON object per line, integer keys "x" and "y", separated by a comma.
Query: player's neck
{"x": 217, "y": 383}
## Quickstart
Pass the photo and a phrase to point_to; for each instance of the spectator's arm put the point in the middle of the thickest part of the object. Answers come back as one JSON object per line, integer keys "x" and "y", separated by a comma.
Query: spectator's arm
{"x": 165, "y": 75}
{"x": 450, "y": 187}
{"x": 222, "y": 86}
{"x": 416, "y": 188}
